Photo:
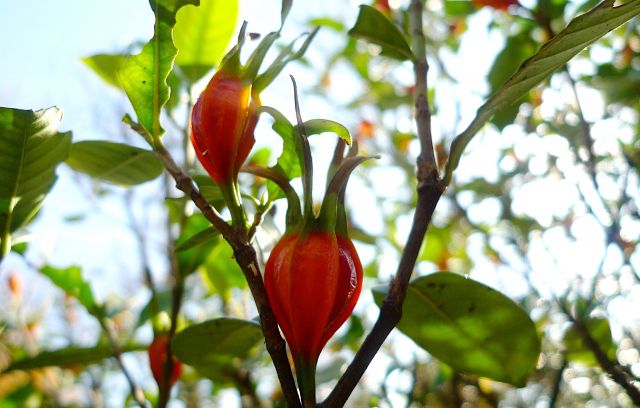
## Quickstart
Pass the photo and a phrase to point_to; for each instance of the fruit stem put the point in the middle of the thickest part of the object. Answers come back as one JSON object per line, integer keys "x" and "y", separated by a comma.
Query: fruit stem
{"x": 306, "y": 375}
{"x": 234, "y": 203}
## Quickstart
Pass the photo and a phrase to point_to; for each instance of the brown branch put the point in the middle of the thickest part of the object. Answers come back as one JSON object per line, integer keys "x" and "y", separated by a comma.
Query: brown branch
{"x": 430, "y": 189}
{"x": 185, "y": 184}
{"x": 246, "y": 258}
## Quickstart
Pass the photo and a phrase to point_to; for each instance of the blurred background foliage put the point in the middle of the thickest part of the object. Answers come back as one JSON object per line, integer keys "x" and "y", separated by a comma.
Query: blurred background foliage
{"x": 543, "y": 208}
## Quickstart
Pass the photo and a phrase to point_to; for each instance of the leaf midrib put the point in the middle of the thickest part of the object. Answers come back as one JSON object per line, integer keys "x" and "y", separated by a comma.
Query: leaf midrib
{"x": 481, "y": 345}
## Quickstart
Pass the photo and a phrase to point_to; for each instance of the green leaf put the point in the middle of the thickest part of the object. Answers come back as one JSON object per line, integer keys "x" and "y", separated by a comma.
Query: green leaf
{"x": 514, "y": 53}
{"x": 206, "y": 235}
{"x": 459, "y": 7}
{"x": 327, "y": 22}
{"x": 580, "y": 33}
{"x": 600, "y": 331}
{"x": 209, "y": 189}
{"x": 115, "y": 163}
{"x": 216, "y": 341}
{"x": 319, "y": 126}
{"x": 144, "y": 76}
{"x": 30, "y": 150}
{"x": 196, "y": 243}
{"x": 288, "y": 163}
{"x": 374, "y": 27}
{"x": 70, "y": 356}
{"x": 221, "y": 273}
{"x": 106, "y": 66}
{"x": 71, "y": 281}
{"x": 469, "y": 326}
{"x": 163, "y": 302}
{"x": 202, "y": 34}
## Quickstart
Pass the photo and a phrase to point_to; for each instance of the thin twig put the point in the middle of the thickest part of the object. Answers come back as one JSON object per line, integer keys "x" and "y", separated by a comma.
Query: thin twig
{"x": 136, "y": 392}
{"x": 557, "y": 384}
{"x": 430, "y": 189}
{"x": 246, "y": 258}
{"x": 185, "y": 184}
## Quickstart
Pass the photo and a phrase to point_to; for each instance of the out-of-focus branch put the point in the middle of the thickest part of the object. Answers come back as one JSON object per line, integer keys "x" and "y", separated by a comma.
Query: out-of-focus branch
{"x": 136, "y": 392}
{"x": 613, "y": 368}
{"x": 557, "y": 384}
{"x": 430, "y": 189}
{"x": 177, "y": 293}
{"x": 142, "y": 249}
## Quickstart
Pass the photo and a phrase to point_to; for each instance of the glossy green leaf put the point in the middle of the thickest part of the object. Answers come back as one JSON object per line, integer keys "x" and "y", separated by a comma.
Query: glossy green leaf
{"x": 600, "y": 331}
{"x": 374, "y": 27}
{"x": 144, "y": 75}
{"x": 202, "y": 34}
{"x": 71, "y": 281}
{"x": 469, "y": 326}
{"x": 580, "y": 33}
{"x": 70, "y": 356}
{"x": 216, "y": 341}
{"x": 30, "y": 150}
{"x": 115, "y": 163}
{"x": 106, "y": 66}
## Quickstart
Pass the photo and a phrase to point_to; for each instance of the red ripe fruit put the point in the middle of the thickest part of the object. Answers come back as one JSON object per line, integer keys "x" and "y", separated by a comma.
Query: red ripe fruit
{"x": 158, "y": 356}
{"x": 313, "y": 281}
{"x": 222, "y": 124}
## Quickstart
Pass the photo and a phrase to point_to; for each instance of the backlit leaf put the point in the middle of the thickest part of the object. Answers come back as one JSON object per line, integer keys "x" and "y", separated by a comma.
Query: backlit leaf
{"x": 144, "y": 75}
{"x": 216, "y": 341}
{"x": 70, "y": 356}
{"x": 202, "y": 34}
{"x": 469, "y": 326}
{"x": 373, "y": 26}
{"x": 115, "y": 163}
{"x": 581, "y": 32}
{"x": 30, "y": 150}
{"x": 71, "y": 281}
